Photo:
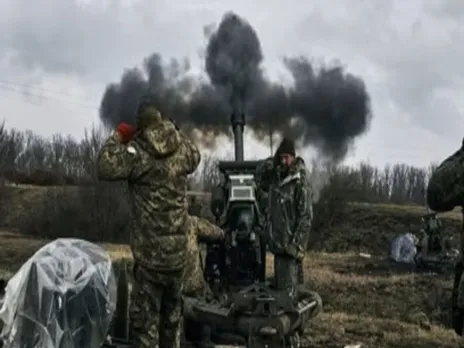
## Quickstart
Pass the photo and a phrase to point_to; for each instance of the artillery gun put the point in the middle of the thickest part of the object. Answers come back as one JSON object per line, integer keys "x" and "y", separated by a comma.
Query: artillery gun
{"x": 246, "y": 309}
{"x": 245, "y": 249}
{"x": 431, "y": 251}
{"x": 435, "y": 247}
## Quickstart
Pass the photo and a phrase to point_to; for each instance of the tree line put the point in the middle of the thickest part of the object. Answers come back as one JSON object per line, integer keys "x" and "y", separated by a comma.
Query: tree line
{"x": 79, "y": 203}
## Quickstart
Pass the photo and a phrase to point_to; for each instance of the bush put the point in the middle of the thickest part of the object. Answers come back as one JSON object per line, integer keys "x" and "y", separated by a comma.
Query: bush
{"x": 96, "y": 213}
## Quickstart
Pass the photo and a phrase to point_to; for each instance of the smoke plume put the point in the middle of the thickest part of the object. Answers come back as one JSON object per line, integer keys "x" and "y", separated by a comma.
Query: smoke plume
{"x": 233, "y": 59}
{"x": 325, "y": 107}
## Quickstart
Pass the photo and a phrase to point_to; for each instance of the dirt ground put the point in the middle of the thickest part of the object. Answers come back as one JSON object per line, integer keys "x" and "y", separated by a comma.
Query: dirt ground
{"x": 365, "y": 299}
{"x": 368, "y": 301}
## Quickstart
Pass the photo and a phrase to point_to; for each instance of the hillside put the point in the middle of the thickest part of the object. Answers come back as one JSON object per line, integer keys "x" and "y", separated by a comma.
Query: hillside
{"x": 370, "y": 227}
{"x": 355, "y": 226}
{"x": 366, "y": 299}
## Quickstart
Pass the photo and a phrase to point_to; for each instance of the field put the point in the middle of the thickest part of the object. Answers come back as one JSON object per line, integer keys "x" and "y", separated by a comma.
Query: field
{"x": 366, "y": 300}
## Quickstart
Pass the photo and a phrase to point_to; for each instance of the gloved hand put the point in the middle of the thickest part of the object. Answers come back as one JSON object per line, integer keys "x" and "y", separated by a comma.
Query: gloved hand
{"x": 126, "y": 132}
{"x": 294, "y": 251}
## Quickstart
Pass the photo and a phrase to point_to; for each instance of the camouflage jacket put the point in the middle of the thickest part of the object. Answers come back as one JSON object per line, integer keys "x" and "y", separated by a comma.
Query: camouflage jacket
{"x": 289, "y": 206}
{"x": 199, "y": 230}
{"x": 156, "y": 165}
{"x": 445, "y": 189}
{"x": 264, "y": 175}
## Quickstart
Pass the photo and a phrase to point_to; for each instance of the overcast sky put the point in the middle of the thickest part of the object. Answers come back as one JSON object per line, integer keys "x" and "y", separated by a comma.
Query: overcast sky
{"x": 57, "y": 56}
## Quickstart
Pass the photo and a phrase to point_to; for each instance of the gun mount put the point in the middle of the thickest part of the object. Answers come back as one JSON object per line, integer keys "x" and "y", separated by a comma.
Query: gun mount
{"x": 241, "y": 260}
{"x": 254, "y": 317}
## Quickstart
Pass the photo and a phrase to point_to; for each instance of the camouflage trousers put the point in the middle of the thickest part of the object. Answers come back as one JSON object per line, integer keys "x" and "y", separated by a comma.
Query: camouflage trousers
{"x": 286, "y": 274}
{"x": 156, "y": 308}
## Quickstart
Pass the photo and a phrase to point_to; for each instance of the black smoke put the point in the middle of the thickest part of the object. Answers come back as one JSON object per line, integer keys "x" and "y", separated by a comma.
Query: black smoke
{"x": 233, "y": 60}
{"x": 325, "y": 107}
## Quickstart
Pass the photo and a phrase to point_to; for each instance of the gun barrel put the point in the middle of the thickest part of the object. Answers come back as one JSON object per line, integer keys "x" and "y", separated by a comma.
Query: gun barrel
{"x": 238, "y": 124}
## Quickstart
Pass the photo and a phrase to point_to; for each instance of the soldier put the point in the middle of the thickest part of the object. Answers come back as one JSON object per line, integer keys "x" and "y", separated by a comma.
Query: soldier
{"x": 423, "y": 244}
{"x": 200, "y": 230}
{"x": 154, "y": 159}
{"x": 445, "y": 191}
{"x": 283, "y": 182}
{"x": 433, "y": 228}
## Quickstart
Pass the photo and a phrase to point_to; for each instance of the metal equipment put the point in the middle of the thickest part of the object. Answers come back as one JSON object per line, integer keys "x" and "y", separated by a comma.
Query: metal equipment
{"x": 246, "y": 310}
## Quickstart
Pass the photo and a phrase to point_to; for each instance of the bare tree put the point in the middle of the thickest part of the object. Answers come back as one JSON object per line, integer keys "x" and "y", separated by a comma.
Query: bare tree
{"x": 100, "y": 210}
{"x": 210, "y": 174}
{"x": 90, "y": 146}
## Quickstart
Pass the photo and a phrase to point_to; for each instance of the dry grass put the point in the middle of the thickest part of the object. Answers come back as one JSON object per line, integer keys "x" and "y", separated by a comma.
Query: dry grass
{"x": 368, "y": 301}
{"x": 365, "y": 299}
{"x": 15, "y": 249}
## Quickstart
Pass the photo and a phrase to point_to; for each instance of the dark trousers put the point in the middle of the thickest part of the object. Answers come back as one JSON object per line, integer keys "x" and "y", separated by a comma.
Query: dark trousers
{"x": 286, "y": 274}
{"x": 300, "y": 272}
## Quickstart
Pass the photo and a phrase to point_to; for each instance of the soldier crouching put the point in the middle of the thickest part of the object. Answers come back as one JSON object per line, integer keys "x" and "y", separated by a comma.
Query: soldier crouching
{"x": 199, "y": 230}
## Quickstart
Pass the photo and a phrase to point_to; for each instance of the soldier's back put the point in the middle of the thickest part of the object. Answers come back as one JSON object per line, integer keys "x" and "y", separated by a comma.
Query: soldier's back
{"x": 159, "y": 239}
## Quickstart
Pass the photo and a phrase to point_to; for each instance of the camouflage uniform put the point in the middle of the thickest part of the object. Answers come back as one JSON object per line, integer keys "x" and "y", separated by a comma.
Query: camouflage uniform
{"x": 155, "y": 165}
{"x": 200, "y": 230}
{"x": 289, "y": 218}
{"x": 445, "y": 191}
{"x": 423, "y": 244}
{"x": 435, "y": 233}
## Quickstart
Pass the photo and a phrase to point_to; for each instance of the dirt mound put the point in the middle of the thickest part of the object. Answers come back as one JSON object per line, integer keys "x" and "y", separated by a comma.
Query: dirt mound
{"x": 371, "y": 227}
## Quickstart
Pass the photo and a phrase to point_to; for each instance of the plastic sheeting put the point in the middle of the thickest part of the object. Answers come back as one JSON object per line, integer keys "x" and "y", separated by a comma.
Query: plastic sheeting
{"x": 62, "y": 297}
{"x": 403, "y": 248}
